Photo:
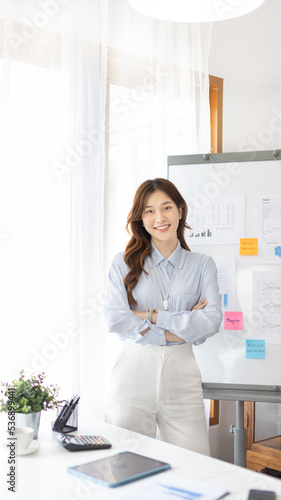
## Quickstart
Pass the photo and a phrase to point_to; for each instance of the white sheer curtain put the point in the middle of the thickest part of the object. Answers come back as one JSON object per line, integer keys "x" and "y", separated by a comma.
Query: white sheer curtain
{"x": 94, "y": 96}
{"x": 53, "y": 81}
{"x": 34, "y": 205}
{"x": 158, "y": 103}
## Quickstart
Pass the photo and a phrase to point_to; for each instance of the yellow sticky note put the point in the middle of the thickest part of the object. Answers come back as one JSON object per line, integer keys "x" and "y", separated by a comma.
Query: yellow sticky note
{"x": 248, "y": 246}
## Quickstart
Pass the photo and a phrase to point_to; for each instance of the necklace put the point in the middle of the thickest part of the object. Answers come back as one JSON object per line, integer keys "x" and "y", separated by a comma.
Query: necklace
{"x": 166, "y": 295}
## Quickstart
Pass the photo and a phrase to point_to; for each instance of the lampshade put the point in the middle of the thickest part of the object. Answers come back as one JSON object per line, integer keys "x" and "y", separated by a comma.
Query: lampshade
{"x": 195, "y": 11}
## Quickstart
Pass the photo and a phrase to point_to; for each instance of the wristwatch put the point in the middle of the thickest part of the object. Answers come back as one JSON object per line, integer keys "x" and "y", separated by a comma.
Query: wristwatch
{"x": 150, "y": 312}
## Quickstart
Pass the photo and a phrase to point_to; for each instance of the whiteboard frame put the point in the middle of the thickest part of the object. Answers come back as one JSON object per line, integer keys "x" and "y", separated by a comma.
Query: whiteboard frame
{"x": 234, "y": 392}
{"x": 243, "y": 156}
{"x": 240, "y": 392}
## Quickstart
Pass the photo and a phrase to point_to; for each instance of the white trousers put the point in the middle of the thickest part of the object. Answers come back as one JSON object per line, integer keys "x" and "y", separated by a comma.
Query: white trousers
{"x": 159, "y": 386}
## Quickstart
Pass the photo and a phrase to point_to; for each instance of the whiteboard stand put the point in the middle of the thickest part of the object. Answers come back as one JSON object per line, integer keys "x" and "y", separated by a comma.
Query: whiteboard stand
{"x": 239, "y": 436}
{"x": 241, "y": 393}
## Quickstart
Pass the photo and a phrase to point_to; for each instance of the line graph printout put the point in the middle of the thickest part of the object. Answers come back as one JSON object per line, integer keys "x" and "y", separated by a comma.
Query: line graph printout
{"x": 269, "y": 227}
{"x": 216, "y": 221}
{"x": 267, "y": 306}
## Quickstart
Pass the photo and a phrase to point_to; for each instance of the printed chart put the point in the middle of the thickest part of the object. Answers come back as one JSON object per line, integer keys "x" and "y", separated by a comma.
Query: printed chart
{"x": 267, "y": 306}
{"x": 221, "y": 221}
{"x": 269, "y": 227}
{"x": 226, "y": 279}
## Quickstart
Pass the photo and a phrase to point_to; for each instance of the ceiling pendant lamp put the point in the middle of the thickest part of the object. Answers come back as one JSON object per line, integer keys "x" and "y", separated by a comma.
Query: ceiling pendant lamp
{"x": 195, "y": 11}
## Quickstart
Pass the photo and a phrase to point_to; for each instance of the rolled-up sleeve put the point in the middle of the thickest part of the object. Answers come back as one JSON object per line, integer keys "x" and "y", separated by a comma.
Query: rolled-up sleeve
{"x": 197, "y": 325}
{"x": 120, "y": 318}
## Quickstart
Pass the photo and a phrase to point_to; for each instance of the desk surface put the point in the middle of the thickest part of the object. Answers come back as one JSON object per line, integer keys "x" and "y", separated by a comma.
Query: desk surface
{"x": 43, "y": 474}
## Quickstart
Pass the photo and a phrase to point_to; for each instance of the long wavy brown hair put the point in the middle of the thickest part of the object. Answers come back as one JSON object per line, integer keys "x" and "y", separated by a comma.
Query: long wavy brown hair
{"x": 139, "y": 246}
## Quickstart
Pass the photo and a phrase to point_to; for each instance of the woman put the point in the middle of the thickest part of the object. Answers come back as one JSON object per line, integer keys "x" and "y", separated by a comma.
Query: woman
{"x": 162, "y": 298}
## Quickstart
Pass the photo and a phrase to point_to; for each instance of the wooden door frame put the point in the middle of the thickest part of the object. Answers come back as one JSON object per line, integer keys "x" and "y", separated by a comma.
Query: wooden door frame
{"x": 260, "y": 454}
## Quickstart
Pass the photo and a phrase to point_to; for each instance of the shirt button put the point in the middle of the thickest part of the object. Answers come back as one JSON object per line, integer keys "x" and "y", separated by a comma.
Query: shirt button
{"x": 165, "y": 263}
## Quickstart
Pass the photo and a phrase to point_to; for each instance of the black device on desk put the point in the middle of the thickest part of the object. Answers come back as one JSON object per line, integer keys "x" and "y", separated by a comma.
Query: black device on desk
{"x": 80, "y": 443}
{"x": 67, "y": 416}
{"x": 261, "y": 495}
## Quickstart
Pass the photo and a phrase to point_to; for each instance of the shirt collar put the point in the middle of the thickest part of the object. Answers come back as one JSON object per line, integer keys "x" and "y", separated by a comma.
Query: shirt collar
{"x": 158, "y": 257}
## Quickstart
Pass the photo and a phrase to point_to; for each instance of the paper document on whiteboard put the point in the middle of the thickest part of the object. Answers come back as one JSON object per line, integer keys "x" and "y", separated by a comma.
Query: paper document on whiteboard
{"x": 268, "y": 228}
{"x": 226, "y": 279}
{"x": 267, "y": 306}
{"x": 217, "y": 221}
{"x": 175, "y": 487}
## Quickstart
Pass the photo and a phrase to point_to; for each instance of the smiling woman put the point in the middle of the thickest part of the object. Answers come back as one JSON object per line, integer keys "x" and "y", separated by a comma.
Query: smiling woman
{"x": 162, "y": 298}
{"x": 157, "y": 191}
{"x": 161, "y": 219}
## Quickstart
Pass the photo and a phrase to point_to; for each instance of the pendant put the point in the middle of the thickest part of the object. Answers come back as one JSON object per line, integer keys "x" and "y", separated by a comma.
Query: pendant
{"x": 165, "y": 309}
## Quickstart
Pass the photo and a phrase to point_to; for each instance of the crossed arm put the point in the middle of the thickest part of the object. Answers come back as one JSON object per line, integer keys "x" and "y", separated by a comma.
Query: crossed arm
{"x": 170, "y": 337}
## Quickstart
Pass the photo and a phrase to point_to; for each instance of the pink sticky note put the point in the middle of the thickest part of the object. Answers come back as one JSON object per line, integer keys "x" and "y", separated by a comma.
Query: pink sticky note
{"x": 233, "y": 320}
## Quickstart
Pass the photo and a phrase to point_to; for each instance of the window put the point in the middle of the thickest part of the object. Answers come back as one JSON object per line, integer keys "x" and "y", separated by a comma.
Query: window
{"x": 34, "y": 286}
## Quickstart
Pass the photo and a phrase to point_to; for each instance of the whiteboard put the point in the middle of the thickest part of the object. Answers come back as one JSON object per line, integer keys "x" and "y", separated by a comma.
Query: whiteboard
{"x": 250, "y": 176}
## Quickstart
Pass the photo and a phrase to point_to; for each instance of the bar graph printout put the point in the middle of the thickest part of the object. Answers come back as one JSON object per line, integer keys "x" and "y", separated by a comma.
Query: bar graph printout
{"x": 175, "y": 488}
{"x": 226, "y": 280}
{"x": 216, "y": 221}
{"x": 267, "y": 306}
{"x": 268, "y": 227}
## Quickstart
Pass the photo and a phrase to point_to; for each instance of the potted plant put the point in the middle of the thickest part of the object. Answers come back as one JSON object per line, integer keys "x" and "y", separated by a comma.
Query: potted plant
{"x": 27, "y": 397}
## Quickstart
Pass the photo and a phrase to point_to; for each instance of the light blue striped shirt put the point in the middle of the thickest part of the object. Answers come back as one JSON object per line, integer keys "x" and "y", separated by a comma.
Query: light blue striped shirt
{"x": 195, "y": 278}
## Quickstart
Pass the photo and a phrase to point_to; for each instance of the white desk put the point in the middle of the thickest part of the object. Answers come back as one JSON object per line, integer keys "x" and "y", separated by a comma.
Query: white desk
{"x": 43, "y": 475}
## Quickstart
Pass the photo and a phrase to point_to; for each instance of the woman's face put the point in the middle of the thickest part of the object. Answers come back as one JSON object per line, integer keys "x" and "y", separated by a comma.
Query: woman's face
{"x": 161, "y": 218}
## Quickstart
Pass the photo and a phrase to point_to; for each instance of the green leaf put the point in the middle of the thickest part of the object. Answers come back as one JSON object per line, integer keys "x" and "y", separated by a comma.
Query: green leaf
{"x": 29, "y": 394}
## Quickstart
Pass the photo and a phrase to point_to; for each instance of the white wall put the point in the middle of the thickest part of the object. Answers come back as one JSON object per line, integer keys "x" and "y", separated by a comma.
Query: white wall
{"x": 245, "y": 52}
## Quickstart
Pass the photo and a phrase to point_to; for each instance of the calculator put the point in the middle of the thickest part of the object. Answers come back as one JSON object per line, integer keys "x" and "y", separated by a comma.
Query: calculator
{"x": 81, "y": 443}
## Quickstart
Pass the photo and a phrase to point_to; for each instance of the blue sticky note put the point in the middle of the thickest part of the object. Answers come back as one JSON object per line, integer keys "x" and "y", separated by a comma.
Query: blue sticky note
{"x": 255, "y": 349}
{"x": 277, "y": 251}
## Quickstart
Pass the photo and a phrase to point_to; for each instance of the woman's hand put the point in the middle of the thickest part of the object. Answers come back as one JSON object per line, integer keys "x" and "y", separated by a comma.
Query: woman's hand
{"x": 171, "y": 337}
{"x": 140, "y": 314}
{"x": 145, "y": 314}
{"x": 200, "y": 305}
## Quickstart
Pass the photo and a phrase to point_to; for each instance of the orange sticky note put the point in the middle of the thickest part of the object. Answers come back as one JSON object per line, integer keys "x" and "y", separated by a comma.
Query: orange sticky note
{"x": 248, "y": 246}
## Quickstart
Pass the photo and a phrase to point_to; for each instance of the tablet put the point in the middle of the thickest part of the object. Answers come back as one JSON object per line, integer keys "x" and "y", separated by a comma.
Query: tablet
{"x": 119, "y": 469}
